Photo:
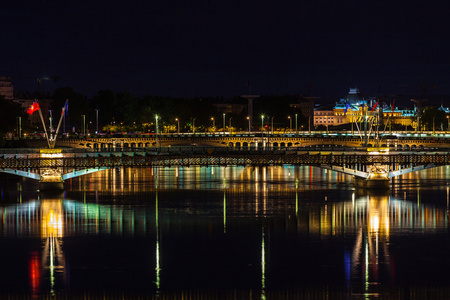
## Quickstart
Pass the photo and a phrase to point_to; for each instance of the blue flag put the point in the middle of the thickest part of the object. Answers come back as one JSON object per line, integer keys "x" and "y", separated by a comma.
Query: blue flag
{"x": 347, "y": 106}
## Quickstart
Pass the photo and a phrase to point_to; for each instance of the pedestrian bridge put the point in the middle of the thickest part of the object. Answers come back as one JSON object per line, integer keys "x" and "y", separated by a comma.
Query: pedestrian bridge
{"x": 54, "y": 166}
{"x": 406, "y": 141}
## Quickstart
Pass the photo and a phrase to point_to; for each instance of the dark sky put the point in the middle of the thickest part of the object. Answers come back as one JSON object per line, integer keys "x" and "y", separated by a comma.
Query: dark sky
{"x": 212, "y": 48}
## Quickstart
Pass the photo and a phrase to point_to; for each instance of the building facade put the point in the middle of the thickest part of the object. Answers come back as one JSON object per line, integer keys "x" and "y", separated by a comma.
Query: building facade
{"x": 6, "y": 87}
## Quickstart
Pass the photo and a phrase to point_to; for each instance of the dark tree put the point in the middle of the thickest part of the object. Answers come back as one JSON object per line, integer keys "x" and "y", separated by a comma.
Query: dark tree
{"x": 104, "y": 101}
{"x": 432, "y": 118}
{"x": 10, "y": 111}
{"x": 78, "y": 106}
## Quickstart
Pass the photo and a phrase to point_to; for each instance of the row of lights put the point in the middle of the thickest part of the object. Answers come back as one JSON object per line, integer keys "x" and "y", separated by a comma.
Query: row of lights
{"x": 214, "y": 122}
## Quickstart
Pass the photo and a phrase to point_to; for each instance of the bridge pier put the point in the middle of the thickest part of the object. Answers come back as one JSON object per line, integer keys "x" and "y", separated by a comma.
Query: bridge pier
{"x": 51, "y": 185}
{"x": 51, "y": 179}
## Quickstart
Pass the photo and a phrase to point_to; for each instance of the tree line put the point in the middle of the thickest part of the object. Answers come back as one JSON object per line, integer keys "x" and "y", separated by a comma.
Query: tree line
{"x": 123, "y": 112}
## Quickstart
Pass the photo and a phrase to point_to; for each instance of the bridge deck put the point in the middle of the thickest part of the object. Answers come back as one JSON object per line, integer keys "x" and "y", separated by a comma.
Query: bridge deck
{"x": 170, "y": 156}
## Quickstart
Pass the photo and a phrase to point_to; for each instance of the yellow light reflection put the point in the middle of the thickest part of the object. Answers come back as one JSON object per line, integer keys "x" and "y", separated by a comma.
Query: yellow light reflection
{"x": 374, "y": 223}
{"x": 52, "y": 219}
{"x": 263, "y": 266}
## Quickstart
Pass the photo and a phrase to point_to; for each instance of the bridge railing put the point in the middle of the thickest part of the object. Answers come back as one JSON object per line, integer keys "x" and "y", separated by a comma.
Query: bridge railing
{"x": 217, "y": 150}
{"x": 19, "y": 150}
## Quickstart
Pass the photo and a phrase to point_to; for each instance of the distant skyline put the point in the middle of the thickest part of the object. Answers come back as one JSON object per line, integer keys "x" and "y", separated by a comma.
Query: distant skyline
{"x": 212, "y": 48}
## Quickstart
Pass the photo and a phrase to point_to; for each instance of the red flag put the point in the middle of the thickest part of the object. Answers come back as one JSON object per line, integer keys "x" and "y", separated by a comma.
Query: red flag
{"x": 375, "y": 106}
{"x": 34, "y": 107}
{"x": 393, "y": 108}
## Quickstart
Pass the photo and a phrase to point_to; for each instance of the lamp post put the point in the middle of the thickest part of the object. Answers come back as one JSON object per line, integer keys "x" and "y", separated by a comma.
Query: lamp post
{"x": 156, "y": 118}
{"x": 290, "y": 123}
{"x": 84, "y": 124}
{"x": 224, "y": 124}
{"x": 20, "y": 126}
{"x": 296, "y": 128}
{"x": 214, "y": 123}
{"x": 248, "y": 118}
{"x": 230, "y": 125}
{"x": 96, "y": 118}
{"x": 193, "y": 126}
{"x": 433, "y": 125}
{"x": 448, "y": 126}
{"x": 309, "y": 125}
{"x": 262, "y": 131}
{"x": 178, "y": 128}
{"x": 272, "y": 125}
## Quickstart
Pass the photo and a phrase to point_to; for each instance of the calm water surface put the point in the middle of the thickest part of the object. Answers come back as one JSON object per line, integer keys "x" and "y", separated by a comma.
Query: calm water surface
{"x": 226, "y": 233}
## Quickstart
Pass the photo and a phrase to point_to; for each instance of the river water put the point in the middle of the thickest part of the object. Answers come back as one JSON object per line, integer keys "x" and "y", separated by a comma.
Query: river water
{"x": 279, "y": 232}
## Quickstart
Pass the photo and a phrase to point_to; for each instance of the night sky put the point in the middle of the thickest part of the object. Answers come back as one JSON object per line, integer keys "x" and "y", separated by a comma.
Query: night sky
{"x": 213, "y": 48}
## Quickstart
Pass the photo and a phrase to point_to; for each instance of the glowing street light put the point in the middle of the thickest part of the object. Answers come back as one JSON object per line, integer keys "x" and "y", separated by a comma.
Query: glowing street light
{"x": 262, "y": 130}
{"x": 248, "y": 118}
{"x": 272, "y": 124}
{"x": 178, "y": 130}
{"x": 214, "y": 123}
{"x": 156, "y": 118}
{"x": 223, "y": 123}
{"x": 290, "y": 123}
{"x": 84, "y": 124}
{"x": 96, "y": 121}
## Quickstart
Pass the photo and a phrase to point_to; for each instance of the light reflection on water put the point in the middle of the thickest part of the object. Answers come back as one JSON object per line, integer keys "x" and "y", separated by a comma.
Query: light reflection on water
{"x": 263, "y": 231}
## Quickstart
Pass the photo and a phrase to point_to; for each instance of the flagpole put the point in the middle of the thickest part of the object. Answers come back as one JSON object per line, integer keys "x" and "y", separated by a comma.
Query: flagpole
{"x": 45, "y": 129}
{"x": 60, "y": 119}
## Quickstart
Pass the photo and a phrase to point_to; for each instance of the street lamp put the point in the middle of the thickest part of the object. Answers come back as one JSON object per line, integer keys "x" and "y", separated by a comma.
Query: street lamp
{"x": 448, "y": 126}
{"x": 84, "y": 124}
{"x": 193, "y": 126}
{"x": 156, "y": 117}
{"x": 19, "y": 119}
{"x": 296, "y": 128}
{"x": 214, "y": 123}
{"x": 248, "y": 118}
{"x": 309, "y": 125}
{"x": 178, "y": 130}
{"x": 272, "y": 125}
{"x": 290, "y": 123}
{"x": 223, "y": 123}
{"x": 230, "y": 124}
{"x": 262, "y": 131}
{"x": 96, "y": 118}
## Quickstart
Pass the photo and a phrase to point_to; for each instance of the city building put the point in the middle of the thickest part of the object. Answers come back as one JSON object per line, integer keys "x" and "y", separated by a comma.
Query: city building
{"x": 355, "y": 106}
{"x": 328, "y": 117}
{"x": 6, "y": 87}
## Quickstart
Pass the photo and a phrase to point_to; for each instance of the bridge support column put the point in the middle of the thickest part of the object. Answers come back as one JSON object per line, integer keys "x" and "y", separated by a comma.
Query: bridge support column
{"x": 51, "y": 179}
{"x": 377, "y": 177}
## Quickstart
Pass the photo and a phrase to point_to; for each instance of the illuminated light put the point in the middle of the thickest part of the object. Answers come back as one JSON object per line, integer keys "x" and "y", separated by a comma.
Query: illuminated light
{"x": 51, "y": 155}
